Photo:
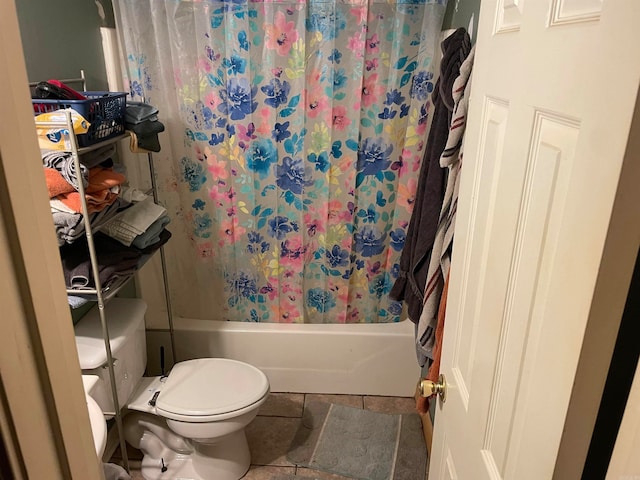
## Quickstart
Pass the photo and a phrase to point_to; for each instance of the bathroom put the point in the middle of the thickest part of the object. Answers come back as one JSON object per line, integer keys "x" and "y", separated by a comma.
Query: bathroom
{"x": 301, "y": 367}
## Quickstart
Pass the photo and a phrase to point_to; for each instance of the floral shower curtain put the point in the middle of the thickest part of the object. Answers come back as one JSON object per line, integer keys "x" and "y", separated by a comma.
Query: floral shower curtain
{"x": 295, "y": 134}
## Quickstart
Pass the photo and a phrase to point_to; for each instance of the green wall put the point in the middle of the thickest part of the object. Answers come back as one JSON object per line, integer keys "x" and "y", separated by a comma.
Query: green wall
{"x": 60, "y": 37}
{"x": 459, "y": 14}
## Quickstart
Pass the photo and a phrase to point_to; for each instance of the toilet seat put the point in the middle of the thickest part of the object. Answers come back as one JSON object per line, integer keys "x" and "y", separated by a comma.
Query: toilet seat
{"x": 210, "y": 389}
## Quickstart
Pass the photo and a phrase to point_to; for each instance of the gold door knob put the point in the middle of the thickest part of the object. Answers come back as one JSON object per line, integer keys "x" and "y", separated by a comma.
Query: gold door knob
{"x": 428, "y": 388}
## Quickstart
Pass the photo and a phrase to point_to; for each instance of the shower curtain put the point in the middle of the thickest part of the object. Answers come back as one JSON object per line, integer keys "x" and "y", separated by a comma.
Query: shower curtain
{"x": 295, "y": 132}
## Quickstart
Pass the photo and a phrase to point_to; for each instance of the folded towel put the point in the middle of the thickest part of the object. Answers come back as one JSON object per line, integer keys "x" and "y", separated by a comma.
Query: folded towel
{"x": 144, "y": 135}
{"x": 63, "y": 163}
{"x": 56, "y": 184}
{"x": 165, "y": 235}
{"x": 145, "y": 139}
{"x": 103, "y": 179}
{"x": 96, "y": 157}
{"x": 152, "y": 235}
{"x": 76, "y": 302}
{"x": 57, "y": 205}
{"x": 102, "y": 191}
{"x": 70, "y": 225}
{"x": 134, "y": 221}
{"x": 132, "y": 195}
{"x": 66, "y": 224}
{"x": 96, "y": 201}
{"x": 114, "y": 260}
{"x": 99, "y": 179}
{"x": 137, "y": 112}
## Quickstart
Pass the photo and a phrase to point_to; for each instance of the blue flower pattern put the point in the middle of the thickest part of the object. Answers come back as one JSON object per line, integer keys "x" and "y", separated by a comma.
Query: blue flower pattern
{"x": 193, "y": 174}
{"x": 261, "y": 155}
{"x": 305, "y": 213}
{"x": 320, "y": 299}
{"x": 277, "y": 92}
{"x": 373, "y": 156}
{"x": 337, "y": 257}
{"x": 293, "y": 175}
{"x": 422, "y": 85}
{"x": 369, "y": 242}
{"x": 238, "y": 99}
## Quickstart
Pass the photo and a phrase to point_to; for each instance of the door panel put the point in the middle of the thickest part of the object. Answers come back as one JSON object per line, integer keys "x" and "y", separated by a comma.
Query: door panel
{"x": 546, "y": 136}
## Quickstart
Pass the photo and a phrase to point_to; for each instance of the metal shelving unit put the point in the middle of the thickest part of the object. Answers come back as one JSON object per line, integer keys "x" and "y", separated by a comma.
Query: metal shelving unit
{"x": 101, "y": 294}
{"x": 98, "y": 294}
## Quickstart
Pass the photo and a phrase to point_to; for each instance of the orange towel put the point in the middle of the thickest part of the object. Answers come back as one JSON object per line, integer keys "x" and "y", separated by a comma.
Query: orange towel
{"x": 56, "y": 184}
{"x": 96, "y": 201}
{"x": 98, "y": 192}
{"x": 103, "y": 179}
{"x": 422, "y": 404}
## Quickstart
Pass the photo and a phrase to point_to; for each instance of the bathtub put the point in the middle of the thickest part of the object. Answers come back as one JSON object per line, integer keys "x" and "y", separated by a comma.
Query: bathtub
{"x": 359, "y": 359}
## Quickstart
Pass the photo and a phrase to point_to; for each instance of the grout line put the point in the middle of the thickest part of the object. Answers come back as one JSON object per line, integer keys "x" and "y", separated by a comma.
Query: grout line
{"x": 278, "y": 416}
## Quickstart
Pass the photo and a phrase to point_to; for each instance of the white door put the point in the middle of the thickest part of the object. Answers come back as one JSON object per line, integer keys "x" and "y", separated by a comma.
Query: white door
{"x": 553, "y": 94}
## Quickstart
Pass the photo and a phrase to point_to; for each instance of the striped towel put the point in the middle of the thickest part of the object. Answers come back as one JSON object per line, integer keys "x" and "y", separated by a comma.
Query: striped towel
{"x": 63, "y": 163}
{"x": 440, "y": 260}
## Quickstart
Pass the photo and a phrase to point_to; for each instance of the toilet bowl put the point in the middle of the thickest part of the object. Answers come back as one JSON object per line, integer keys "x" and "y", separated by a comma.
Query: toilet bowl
{"x": 96, "y": 418}
{"x": 192, "y": 422}
{"x": 189, "y": 424}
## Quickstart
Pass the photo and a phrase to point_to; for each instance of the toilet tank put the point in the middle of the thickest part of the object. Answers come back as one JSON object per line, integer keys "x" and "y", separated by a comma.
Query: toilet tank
{"x": 125, "y": 320}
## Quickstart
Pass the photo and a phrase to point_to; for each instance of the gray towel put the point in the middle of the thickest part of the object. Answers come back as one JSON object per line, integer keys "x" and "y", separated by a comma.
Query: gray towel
{"x": 70, "y": 225}
{"x": 134, "y": 221}
{"x": 76, "y": 302}
{"x": 63, "y": 163}
{"x": 67, "y": 225}
{"x": 138, "y": 112}
{"x": 114, "y": 259}
{"x": 96, "y": 157}
{"x": 152, "y": 235}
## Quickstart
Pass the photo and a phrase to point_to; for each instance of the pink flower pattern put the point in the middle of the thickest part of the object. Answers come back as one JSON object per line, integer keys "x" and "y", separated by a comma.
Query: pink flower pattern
{"x": 281, "y": 35}
{"x": 300, "y": 129}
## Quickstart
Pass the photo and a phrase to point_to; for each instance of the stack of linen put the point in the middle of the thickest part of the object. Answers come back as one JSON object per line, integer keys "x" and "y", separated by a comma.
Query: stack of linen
{"x": 102, "y": 185}
{"x": 128, "y": 225}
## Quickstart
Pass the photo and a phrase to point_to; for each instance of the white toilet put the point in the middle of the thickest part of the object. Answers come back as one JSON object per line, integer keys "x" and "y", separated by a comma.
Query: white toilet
{"x": 190, "y": 423}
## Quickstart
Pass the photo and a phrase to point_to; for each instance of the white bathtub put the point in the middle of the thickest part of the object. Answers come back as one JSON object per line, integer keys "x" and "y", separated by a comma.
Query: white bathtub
{"x": 371, "y": 359}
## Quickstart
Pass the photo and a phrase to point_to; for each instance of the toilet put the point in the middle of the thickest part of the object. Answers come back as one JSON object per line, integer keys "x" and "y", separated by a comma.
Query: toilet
{"x": 190, "y": 423}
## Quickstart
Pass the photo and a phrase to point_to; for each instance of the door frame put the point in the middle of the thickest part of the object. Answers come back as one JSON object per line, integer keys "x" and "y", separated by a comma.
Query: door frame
{"x": 607, "y": 307}
{"x": 44, "y": 418}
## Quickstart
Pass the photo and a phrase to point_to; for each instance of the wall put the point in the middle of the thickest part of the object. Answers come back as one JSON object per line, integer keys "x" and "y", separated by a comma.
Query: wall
{"x": 459, "y": 14}
{"x": 60, "y": 38}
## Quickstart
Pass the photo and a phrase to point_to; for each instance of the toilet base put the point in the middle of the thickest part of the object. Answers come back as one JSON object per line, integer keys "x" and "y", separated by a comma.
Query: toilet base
{"x": 228, "y": 459}
{"x": 181, "y": 467}
{"x": 170, "y": 456}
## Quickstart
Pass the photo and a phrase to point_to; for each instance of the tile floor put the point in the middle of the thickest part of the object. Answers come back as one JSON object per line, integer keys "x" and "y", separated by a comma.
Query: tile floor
{"x": 270, "y": 434}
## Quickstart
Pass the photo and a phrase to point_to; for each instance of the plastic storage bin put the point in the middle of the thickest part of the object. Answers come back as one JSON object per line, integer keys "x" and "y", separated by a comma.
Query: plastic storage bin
{"x": 103, "y": 110}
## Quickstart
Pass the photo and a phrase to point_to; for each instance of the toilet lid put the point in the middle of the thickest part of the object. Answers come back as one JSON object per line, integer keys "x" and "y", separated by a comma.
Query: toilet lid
{"x": 211, "y": 386}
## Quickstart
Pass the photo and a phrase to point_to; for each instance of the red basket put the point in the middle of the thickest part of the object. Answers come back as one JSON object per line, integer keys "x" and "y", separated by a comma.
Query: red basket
{"x": 103, "y": 110}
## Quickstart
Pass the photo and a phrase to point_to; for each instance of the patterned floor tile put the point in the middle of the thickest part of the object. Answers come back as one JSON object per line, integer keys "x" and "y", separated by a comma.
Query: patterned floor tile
{"x": 283, "y": 405}
{"x": 269, "y": 439}
{"x": 348, "y": 400}
{"x": 391, "y": 405}
{"x": 261, "y": 472}
{"x": 308, "y": 473}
